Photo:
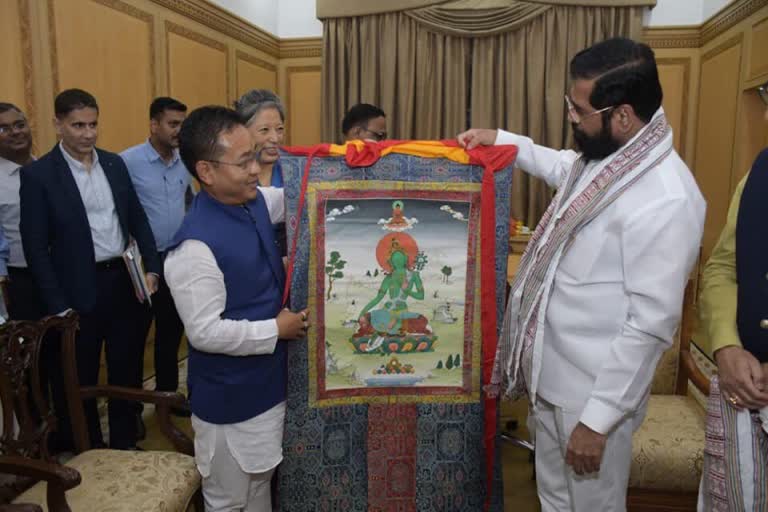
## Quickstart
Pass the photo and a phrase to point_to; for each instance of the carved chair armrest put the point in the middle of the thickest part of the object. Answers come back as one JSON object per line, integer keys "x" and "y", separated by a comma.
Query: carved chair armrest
{"x": 693, "y": 372}
{"x": 20, "y": 507}
{"x": 163, "y": 401}
{"x": 51, "y": 472}
{"x": 59, "y": 478}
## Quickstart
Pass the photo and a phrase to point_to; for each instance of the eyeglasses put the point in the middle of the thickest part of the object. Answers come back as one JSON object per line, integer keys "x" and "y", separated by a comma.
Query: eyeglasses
{"x": 576, "y": 117}
{"x": 18, "y": 126}
{"x": 379, "y": 136}
{"x": 763, "y": 92}
{"x": 244, "y": 166}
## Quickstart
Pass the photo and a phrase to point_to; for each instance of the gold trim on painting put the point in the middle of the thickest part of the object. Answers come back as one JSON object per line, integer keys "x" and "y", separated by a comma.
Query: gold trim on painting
{"x": 312, "y": 343}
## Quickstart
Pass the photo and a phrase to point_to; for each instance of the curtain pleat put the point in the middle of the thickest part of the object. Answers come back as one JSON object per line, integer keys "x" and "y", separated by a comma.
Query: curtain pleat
{"x": 434, "y": 83}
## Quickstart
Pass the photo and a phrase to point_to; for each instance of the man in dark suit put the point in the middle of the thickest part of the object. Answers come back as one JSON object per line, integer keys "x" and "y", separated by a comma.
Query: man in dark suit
{"x": 78, "y": 212}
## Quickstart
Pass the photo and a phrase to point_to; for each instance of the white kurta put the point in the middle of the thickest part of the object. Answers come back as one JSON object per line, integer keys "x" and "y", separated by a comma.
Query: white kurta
{"x": 197, "y": 286}
{"x": 616, "y": 297}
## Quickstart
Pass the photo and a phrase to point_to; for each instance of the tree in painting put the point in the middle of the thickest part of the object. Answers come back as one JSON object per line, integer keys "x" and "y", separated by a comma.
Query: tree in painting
{"x": 333, "y": 269}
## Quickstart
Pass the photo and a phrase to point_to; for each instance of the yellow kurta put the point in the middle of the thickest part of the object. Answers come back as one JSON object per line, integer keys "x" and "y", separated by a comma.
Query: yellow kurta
{"x": 718, "y": 291}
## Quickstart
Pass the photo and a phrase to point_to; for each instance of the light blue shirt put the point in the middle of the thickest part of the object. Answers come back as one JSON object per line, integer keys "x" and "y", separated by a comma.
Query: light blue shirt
{"x": 96, "y": 194}
{"x": 160, "y": 187}
{"x": 5, "y": 251}
{"x": 10, "y": 210}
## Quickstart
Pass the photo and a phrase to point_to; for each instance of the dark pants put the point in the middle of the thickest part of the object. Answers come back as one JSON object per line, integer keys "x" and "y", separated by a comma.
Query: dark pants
{"x": 168, "y": 332}
{"x": 115, "y": 324}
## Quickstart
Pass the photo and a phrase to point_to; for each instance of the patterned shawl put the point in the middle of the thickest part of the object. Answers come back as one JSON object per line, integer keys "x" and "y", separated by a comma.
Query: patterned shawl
{"x": 516, "y": 354}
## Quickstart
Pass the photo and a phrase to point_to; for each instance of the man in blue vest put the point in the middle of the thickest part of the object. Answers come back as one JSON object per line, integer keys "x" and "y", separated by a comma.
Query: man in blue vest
{"x": 226, "y": 276}
{"x": 733, "y": 314}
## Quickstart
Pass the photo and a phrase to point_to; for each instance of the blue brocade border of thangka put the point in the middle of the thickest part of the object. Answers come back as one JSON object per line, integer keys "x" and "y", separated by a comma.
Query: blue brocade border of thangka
{"x": 325, "y": 449}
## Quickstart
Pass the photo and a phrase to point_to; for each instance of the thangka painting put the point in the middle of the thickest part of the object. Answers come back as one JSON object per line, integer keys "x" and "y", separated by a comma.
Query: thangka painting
{"x": 392, "y": 273}
{"x": 386, "y": 244}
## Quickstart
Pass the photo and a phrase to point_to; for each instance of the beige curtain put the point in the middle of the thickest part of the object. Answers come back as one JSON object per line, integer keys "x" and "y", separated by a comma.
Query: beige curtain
{"x": 439, "y": 69}
{"x": 519, "y": 80}
{"x": 419, "y": 78}
{"x": 344, "y": 8}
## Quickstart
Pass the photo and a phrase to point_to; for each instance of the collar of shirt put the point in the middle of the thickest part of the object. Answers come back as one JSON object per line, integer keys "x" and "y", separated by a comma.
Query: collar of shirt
{"x": 10, "y": 167}
{"x": 76, "y": 164}
{"x": 153, "y": 156}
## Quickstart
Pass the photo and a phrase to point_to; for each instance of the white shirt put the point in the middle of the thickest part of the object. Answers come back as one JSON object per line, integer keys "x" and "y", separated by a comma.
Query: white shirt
{"x": 96, "y": 194}
{"x": 10, "y": 210}
{"x": 197, "y": 285}
{"x": 617, "y": 293}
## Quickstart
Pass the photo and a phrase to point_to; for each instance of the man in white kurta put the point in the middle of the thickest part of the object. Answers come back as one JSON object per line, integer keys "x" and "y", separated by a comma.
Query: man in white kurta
{"x": 590, "y": 316}
{"x": 226, "y": 277}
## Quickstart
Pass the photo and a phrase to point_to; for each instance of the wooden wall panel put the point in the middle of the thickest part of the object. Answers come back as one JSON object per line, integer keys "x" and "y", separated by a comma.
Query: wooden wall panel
{"x": 718, "y": 105}
{"x": 758, "y": 61}
{"x": 106, "y": 47}
{"x": 675, "y": 81}
{"x": 197, "y": 67}
{"x": 11, "y": 84}
{"x": 254, "y": 73}
{"x": 302, "y": 96}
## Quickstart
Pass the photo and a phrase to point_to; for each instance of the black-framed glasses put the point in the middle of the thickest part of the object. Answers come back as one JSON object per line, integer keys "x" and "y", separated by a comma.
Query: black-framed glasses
{"x": 18, "y": 126}
{"x": 378, "y": 136}
{"x": 578, "y": 118}
{"x": 763, "y": 92}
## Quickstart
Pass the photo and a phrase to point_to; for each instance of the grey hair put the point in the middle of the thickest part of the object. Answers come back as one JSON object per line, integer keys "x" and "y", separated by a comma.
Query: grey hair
{"x": 256, "y": 100}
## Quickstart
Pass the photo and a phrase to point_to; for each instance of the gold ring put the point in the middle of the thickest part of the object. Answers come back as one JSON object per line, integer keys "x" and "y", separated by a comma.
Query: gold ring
{"x": 733, "y": 400}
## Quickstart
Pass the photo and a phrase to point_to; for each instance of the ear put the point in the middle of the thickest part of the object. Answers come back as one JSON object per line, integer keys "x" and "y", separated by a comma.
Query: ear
{"x": 205, "y": 172}
{"x": 625, "y": 117}
{"x": 153, "y": 125}
{"x": 57, "y": 125}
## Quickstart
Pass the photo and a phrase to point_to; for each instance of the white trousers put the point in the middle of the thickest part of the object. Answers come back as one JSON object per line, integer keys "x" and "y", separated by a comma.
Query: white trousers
{"x": 230, "y": 489}
{"x": 562, "y": 490}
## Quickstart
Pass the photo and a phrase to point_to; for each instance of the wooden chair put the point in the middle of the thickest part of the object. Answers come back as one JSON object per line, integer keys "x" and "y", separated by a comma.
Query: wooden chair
{"x": 668, "y": 449}
{"x": 94, "y": 479}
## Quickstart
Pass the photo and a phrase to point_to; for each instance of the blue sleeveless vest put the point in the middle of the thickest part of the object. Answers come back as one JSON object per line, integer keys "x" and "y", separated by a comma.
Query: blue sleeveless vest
{"x": 752, "y": 261}
{"x": 229, "y": 389}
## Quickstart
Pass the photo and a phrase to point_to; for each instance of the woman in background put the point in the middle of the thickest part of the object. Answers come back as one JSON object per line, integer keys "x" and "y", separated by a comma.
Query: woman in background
{"x": 264, "y": 117}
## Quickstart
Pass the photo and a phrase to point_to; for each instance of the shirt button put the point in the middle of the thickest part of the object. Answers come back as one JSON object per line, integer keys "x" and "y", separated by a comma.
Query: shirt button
{"x": 764, "y": 323}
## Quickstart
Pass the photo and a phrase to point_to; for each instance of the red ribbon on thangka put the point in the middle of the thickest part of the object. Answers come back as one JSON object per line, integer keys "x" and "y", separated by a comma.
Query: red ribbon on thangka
{"x": 492, "y": 159}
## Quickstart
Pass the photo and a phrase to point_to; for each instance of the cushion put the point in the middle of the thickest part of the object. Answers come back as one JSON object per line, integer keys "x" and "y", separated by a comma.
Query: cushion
{"x": 665, "y": 377}
{"x": 127, "y": 481}
{"x": 668, "y": 449}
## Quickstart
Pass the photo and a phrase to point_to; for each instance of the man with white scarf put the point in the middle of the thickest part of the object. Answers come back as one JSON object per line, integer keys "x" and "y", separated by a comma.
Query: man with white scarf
{"x": 598, "y": 294}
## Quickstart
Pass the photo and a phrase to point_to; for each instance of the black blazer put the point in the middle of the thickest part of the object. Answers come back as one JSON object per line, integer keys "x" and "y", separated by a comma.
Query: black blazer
{"x": 56, "y": 235}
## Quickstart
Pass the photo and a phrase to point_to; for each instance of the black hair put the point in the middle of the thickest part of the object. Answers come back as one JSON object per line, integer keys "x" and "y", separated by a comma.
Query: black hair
{"x": 624, "y": 72}
{"x": 5, "y": 107}
{"x": 73, "y": 99}
{"x": 163, "y": 103}
{"x": 200, "y": 132}
{"x": 359, "y": 115}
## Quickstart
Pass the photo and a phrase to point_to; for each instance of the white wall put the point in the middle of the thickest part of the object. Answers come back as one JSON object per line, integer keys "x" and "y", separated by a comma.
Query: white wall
{"x": 674, "y": 13}
{"x": 262, "y": 13}
{"x": 711, "y": 7}
{"x": 296, "y": 18}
